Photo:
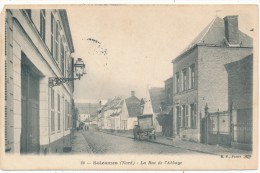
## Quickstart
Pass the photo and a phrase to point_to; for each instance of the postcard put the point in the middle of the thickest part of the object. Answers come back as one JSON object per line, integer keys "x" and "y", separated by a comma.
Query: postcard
{"x": 129, "y": 87}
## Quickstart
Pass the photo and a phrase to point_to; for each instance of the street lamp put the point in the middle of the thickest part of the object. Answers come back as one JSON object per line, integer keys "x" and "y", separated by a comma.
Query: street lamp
{"x": 79, "y": 70}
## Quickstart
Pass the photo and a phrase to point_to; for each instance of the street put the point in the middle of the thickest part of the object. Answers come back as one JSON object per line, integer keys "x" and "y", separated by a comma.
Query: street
{"x": 98, "y": 142}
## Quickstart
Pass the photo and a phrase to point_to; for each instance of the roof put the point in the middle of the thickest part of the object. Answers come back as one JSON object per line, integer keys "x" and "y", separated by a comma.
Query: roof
{"x": 214, "y": 35}
{"x": 166, "y": 110}
{"x": 133, "y": 106}
{"x": 157, "y": 96}
{"x": 242, "y": 65}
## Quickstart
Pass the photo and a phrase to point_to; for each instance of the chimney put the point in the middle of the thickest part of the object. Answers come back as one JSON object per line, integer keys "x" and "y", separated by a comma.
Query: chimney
{"x": 231, "y": 29}
{"x": 132, "y": 93}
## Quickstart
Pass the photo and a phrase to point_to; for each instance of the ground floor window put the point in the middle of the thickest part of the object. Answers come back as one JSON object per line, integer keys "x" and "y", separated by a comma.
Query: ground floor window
{"x": 193, "y": 115}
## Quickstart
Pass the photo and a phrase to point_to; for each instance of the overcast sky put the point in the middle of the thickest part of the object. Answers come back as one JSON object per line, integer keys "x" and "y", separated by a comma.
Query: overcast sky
{"x": 129, "y": 47}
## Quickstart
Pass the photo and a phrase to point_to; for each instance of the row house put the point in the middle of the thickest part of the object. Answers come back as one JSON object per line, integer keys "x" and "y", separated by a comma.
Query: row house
{"x": 86, "y": 110}
{"x": 119, "y": 114}
{"x": 152, "y": 103}
{"x": 38, "y": 45}
{"x": 199, "y": 75}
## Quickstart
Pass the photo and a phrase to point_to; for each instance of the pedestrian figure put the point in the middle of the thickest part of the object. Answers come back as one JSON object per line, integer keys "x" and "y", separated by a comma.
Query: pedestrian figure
{"x": 136, "y": 132}
{"x": 87, "y": 128}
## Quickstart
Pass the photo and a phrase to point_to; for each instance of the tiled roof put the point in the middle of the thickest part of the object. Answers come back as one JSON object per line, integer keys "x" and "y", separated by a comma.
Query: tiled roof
{"x": 214, "y": 35}
{"x": 133, "y": 106}
{"x": 157, "y": 96}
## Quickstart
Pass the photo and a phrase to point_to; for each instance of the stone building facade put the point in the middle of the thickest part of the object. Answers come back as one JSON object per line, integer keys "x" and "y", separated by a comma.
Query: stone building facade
{"x": 38, "y": 46}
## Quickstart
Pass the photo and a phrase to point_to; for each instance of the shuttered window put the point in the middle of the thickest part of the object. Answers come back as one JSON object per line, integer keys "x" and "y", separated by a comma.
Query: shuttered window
{"x": 59, "y": 111}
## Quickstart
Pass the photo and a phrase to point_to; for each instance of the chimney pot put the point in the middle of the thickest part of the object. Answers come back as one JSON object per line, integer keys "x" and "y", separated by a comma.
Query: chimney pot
{"x": 132, "y": 93}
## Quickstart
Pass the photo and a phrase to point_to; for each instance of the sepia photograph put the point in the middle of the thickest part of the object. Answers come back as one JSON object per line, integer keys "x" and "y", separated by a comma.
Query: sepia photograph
{"x": 130, "y": 87}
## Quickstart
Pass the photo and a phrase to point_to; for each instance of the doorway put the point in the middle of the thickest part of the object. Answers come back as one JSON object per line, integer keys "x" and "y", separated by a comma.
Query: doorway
{"x": 30, "y": 110}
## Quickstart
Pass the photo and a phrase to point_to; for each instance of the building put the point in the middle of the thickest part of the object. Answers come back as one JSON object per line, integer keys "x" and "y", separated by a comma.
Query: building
{"x": 131, "y": 109}
{"x": 87, "y": 111}
{"x": 119, "y": 114}
{"x": 165, "y": 116}
{"x": 199, "y": 75}
{"x": 152, "y": 104}
{"x": 38, "y": 46}
{"x": 240, "y": 99}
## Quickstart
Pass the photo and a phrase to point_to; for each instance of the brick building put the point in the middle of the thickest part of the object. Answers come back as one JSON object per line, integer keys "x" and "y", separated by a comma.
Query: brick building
{"x": 38, "y": 46}
{"x": 199, "y": 74}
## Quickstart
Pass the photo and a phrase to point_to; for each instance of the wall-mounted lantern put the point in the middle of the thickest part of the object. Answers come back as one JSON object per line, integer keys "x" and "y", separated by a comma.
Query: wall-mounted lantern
{"x": 79, "y": 71}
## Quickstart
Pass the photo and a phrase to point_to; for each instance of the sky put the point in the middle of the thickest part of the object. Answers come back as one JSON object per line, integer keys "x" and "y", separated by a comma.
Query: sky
{"x": 127, "y": 47}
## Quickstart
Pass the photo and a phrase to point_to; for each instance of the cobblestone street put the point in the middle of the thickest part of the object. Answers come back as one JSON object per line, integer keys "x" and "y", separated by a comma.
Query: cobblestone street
{"x": 99, "y": 142}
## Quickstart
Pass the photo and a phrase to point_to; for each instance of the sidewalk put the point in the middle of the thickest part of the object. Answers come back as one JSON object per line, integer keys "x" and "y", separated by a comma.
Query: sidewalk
{"x": 79, "y": 144}
{"x": 187, "y": 145}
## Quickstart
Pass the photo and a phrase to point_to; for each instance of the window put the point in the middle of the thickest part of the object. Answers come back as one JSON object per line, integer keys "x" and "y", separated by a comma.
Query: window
{"x": 68, "y": 121}
{"x": 184, "y": 79}
{"x": 187, "y": 116}
{"x": 192, "y": 76}
{"x": 57, "y": 37}
{"x": 42, "y": 24}
{"x": 29, "y": 12}
{"x": 193, "y": 116}
{"x": 183, "y": 116}
{"x": 178, "y": 114}
{"x": 52, "y": 111}
{"x": 52, "y": 34}
{"x": 66, "y": 114}
{"x": 177, "y": 82}
{"x": 62, "y": 62}
{"x": 58, "y": 96}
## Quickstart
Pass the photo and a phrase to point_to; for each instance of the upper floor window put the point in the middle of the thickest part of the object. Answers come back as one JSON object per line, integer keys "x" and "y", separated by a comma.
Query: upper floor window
{"x": 29, "y": 12}
{"x": 52, "y": 34}
{"x": 62, "y": 59}
{"x": 184, "y": 79}
{"x": 42, "y": 24}
{"x": 177, "y": 82}
{"x": 57, "y": 39}
{"x": 192, "y": 76}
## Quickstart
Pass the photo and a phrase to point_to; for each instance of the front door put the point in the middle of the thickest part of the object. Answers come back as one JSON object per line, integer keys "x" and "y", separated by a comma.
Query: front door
{"x": 30, "y": 111}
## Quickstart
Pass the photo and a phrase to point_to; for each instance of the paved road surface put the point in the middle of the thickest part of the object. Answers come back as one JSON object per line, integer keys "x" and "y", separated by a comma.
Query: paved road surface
{"x": 100, "y": 142}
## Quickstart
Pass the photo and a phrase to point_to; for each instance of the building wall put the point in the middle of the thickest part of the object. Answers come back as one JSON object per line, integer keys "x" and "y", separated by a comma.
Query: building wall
{"x": 186, "y": 97}
{"x": 213, "y": 77}
{"x": 131, "y": 122}
{"x": 168, "y": 85}
{"x": 24, "y": 38}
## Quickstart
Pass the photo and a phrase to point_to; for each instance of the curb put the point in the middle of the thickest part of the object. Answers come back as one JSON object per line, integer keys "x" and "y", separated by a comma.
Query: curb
{"x": 156, "y": 142}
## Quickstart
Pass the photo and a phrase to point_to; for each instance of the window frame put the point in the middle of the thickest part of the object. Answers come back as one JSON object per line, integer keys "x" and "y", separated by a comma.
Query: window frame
{"x": 52, "y": 110}
{"x": 184, "y": 79}
{"x": 192, "y": 76}
{"x": 43, "y": 24}
{"x": 177, "y": 82}
{"x": 58, "y": 112}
